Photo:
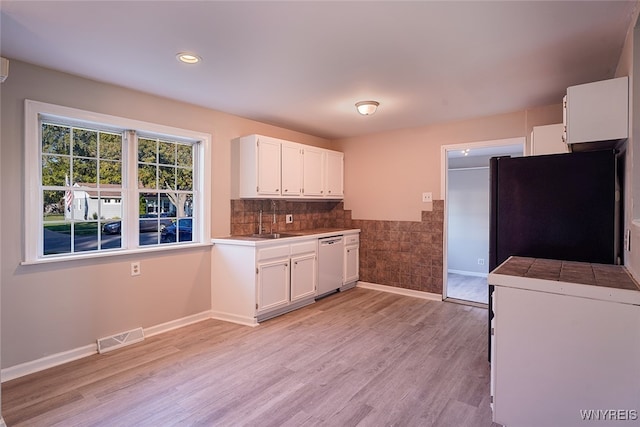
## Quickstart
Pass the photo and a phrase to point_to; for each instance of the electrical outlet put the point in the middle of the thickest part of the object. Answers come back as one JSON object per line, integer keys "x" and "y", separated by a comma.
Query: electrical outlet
{"x": 480, "y": 261}
{"x": 427, "y": 197}
{"x": 289, "y": 219}
{"x": 135, "y": 268}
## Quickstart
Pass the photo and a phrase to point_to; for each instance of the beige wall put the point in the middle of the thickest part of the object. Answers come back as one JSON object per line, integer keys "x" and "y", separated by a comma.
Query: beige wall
{"x": 47, "y": 309}
{"x": 386, "y": 174}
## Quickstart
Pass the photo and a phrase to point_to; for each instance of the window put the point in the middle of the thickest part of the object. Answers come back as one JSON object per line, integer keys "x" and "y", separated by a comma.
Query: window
{"x": 107, "y": 185}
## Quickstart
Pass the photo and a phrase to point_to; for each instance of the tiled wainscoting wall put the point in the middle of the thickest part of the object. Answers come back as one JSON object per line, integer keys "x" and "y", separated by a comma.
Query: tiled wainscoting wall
{"x": 403, "y": 254}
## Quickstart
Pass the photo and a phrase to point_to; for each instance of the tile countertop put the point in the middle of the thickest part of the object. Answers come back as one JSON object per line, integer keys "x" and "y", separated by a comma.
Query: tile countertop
{"x": 294, "y": 235}
{"x": 597, "y": 281}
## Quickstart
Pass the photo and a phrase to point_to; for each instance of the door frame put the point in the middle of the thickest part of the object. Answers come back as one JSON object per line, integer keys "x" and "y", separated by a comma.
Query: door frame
{"x": 444, "y": 188}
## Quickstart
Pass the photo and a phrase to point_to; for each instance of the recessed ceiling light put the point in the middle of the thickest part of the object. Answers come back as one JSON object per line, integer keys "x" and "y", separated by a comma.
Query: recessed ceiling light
{"x": 188, "y": 58}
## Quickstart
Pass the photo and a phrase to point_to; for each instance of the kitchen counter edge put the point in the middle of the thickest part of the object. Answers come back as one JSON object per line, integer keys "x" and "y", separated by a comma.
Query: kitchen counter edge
{"x": 299, "y": 235}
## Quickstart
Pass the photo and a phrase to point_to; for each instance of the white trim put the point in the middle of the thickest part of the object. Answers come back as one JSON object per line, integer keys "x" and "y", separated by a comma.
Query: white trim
{"x": 175, "y": 324}
{"x": 50, "y": 361}
{"x": 234, "y": 318}
{"x": 400, "y": 291}
{"x": 141, "y": 250}
{"x": 469, "y": 273}
{"x": 47, "y": 362}
{"x": 34, "y": 110}
{"x": 444, "y": 185}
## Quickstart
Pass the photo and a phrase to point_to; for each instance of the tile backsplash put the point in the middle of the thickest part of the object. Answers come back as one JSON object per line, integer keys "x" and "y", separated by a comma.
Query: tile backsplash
{"x": 403, "y": 254}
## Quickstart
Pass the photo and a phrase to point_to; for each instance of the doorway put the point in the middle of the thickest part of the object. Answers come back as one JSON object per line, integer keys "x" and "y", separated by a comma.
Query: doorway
{"x": 465, "y": 186}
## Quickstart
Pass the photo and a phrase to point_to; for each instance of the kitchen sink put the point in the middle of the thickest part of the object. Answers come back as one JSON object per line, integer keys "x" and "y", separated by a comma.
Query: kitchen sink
{"x": 273, "y": 235}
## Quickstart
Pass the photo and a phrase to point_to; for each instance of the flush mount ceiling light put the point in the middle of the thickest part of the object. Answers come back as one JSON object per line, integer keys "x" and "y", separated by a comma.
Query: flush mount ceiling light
{"x": 188, "y": 58}
{"x": 366, "y": 108}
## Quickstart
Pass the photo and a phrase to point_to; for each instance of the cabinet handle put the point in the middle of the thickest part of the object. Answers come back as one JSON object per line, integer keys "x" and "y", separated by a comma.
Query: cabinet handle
{"x": 286, "y": 189}
{"x": 329, "y": 191}
{"x": 295, "y": 263}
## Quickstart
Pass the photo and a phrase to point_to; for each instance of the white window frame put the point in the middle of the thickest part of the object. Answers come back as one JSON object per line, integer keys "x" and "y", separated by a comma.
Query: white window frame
{"x": 33, "y": 240}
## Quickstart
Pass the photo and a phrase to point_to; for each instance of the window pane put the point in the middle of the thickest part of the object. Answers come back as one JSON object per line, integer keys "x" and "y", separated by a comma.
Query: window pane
{"x": 185, "y": 179}
{"x": 187, "y": 205}
{"x": 53, "y": 205}
{"x": 166, "y": 153}
{"x": 85, "y": 236}
{"x": 110, "y": 146}
{"x": 85, "y": 143}
{"x": 167, "y": 177}
{"x": 56, "y": 139}
{"x": 56, "y": 237}
{"x": 185, "y": 156}
{"x": 147, "y": 176}
{"x": 110, "y": 172}
{"x": 85, "y": 171}
{"x": 55, "y": 170}
{"x": 184, "y": 230}
{"x": 146, "y": 150}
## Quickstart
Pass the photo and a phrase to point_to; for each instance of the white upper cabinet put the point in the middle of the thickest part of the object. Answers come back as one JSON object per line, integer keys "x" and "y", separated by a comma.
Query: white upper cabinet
{"x": 260, "y": 167}
{"x": 548, "y": 140}
{"x": 334, "y": 174}
{"x": 266, "y": 167}
{"x": 597, "y": 111}
{"x": 291, "y": 170}
{"x": 313, "y": 172}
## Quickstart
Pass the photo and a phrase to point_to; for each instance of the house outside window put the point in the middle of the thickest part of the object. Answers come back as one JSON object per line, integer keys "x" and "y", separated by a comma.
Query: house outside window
{"x": 108, "y": 185}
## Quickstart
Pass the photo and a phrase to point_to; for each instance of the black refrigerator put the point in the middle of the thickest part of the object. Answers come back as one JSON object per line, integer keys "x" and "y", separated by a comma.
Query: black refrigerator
{"x": 559, "y": 206}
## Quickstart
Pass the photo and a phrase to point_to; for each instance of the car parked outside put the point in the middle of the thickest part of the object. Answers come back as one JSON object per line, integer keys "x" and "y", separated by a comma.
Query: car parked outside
{"x": 148, "y": 223}
{"x": 182, "y": 228}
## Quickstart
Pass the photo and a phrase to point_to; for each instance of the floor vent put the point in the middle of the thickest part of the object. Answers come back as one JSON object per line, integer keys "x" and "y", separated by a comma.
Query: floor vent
{"x": 120, "y": 340}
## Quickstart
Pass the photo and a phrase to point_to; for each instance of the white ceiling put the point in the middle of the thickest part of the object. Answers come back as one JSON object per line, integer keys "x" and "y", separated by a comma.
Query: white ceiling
{"x": 303, "y": 65}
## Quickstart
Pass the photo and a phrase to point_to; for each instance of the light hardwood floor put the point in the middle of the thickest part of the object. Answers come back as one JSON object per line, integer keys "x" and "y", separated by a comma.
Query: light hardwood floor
{"x": 468, "y": 288}
{"x": 357, "y": 358}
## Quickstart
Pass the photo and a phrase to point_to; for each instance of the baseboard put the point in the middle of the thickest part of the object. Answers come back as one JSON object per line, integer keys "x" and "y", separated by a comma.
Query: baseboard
{"x": 469, "y": 273}
{"x": 233, "y": 318}
{"x": 400, "y": 291}
{"x": 50, "y": 361}
{"x": 17, "y": 371}
{"x": 175, "y": 324}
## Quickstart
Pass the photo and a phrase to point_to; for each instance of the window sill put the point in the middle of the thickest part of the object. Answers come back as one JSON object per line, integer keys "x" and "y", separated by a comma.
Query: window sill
{"x": 125, "y": 252}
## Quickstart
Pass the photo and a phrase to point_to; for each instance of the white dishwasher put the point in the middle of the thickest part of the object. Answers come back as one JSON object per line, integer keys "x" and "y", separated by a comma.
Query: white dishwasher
{"x": 330, "y": 263}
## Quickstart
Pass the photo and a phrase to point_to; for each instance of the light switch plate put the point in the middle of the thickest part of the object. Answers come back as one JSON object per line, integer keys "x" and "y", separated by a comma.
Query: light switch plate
{"x": 427, "y": 197}
{"x": 289, "y": 218}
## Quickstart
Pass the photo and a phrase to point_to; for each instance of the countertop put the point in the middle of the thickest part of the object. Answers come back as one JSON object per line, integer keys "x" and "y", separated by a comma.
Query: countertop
{"x": 295, "y": 235}
{"x": 599, "y": 281}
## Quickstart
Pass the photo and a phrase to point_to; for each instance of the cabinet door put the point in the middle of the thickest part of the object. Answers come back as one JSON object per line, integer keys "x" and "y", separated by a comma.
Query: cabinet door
{"x": 312, "y": 172}
{"x": 598, "y": 111}
{"x": 273, "y": 284}
{"x": 351, "y": 263}
{"x": 334, "y": 174}
{"x": 291, "y": 170}
{"x": 548, "y": 140}
{"x": 268, "y": 166}
{"x": 303, "y": 276}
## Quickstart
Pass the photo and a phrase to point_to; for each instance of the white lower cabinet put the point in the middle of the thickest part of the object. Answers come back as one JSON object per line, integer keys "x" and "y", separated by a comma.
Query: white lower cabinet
{"x": 303, "y": 276}
{"x": 351, "y": 260}
{"x": 564, "y": 357}
{"x": 273, "y": 284}
{"x": 253, "y": 283}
